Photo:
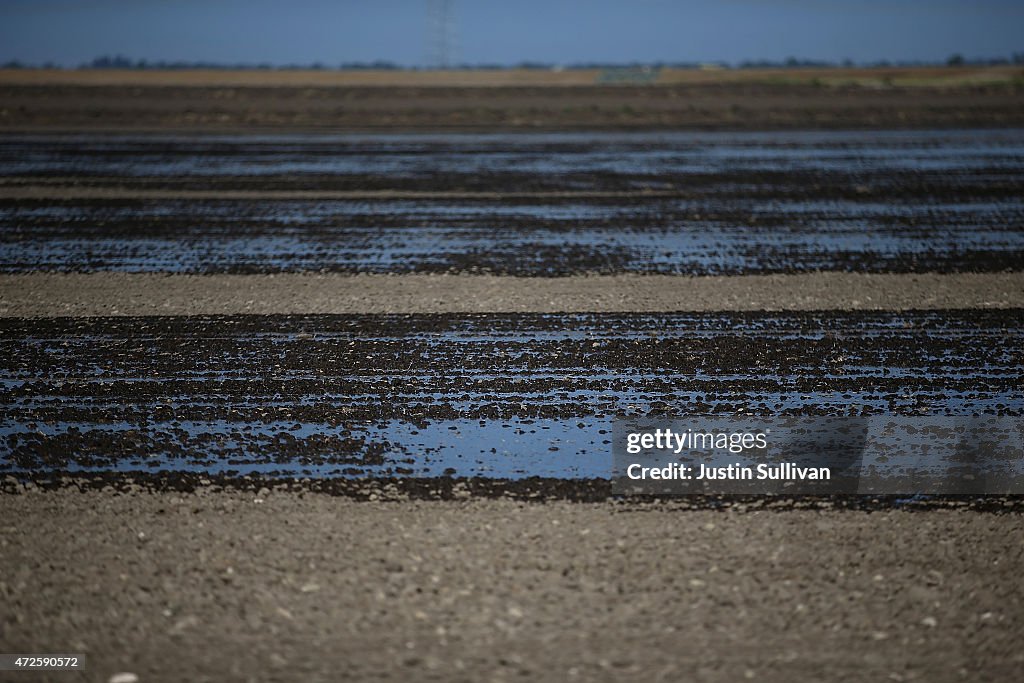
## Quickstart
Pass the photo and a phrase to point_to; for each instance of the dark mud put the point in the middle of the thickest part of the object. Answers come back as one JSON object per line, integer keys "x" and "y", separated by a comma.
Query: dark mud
{"x": 499, "y": 396}
{"x": 676, "y": 204}
{"x": 660, "y": 236}
{"x": 505, "y": 397}
{"x": 531, "y": 489}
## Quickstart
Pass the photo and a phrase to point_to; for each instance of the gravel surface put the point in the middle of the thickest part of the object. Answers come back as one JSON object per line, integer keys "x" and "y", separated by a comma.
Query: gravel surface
{"x": 287, "y": 585}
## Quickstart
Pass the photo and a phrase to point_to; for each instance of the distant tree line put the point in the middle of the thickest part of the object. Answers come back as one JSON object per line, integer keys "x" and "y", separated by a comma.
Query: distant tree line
{"x": 122, "y": 62}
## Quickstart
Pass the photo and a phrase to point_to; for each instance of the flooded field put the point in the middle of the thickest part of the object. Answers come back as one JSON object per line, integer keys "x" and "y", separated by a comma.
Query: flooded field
{"x": 526, "y": 205}
{"x": 331, "y": 374}
{"x": 501, "y": 396}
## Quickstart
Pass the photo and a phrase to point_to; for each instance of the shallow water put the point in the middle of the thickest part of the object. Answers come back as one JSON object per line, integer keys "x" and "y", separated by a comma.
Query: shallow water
{"x": 938, "y": 201}
{"x": 548, "y": 153}
{"x": 432, "y": 395}
{"x": 353, "y": 396}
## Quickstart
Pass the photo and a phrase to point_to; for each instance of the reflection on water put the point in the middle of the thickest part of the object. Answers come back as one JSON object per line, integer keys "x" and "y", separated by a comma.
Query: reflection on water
{"x": 539, "y": 153}
{"x": 505, "y": 396}
{"x": 939, "y": 201}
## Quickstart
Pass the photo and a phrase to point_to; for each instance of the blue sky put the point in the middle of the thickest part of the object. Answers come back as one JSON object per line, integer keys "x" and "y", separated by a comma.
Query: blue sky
{"x": 557, "y": 31}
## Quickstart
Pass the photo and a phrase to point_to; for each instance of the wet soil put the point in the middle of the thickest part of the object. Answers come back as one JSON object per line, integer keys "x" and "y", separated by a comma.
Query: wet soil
{"x": 548, "y": 205}
{"x": 500, "y": 395}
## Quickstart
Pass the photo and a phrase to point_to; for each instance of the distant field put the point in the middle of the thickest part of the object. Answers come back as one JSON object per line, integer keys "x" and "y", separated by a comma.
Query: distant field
{"x": 510, "y": 100}
{"x": 868, "y": 77}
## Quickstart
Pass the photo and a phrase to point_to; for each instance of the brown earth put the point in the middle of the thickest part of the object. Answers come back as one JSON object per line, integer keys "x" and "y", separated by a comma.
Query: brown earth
{"x": 488, "y": 78}
{"x": 301, "y": 586}
{"x": 33, "y": 100}
{"x": 99, "y": 294}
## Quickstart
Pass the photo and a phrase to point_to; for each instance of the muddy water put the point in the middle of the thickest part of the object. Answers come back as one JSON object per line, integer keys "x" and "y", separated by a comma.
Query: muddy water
{"x": 714, "y": 203}
{"x": 503, "y": 396}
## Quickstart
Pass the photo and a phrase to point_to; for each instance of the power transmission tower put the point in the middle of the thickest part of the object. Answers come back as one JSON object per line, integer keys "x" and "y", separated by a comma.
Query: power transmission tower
{"x": 441, "y": 33}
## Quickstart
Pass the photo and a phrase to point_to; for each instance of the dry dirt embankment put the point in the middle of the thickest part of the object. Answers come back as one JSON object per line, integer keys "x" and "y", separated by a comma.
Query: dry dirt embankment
{"x": 283, "y": 586}
{"x": 97, "y": 294}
